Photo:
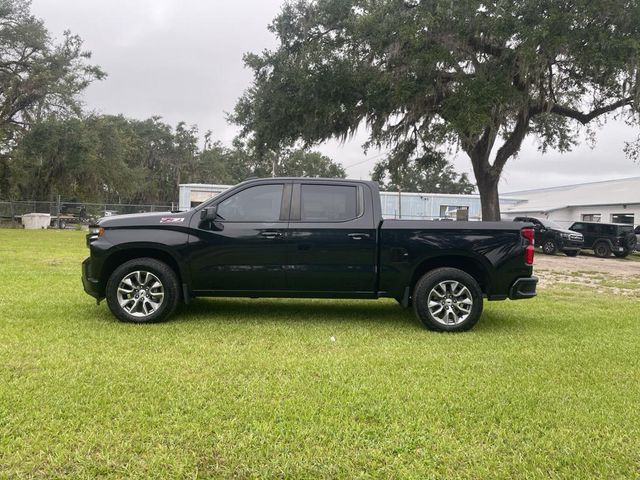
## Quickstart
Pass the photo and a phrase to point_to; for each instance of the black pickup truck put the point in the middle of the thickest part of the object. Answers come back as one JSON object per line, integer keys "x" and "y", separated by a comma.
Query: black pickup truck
{"x": 302, "y": 237}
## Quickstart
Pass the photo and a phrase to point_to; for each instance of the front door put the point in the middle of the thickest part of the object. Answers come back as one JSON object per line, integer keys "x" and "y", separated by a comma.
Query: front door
{"x": 244, "y": 250}
{"x": 332, "y": 239}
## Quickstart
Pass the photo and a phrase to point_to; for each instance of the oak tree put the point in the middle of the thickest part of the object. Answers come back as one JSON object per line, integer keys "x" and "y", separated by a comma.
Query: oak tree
{"x": 431, "y": 75}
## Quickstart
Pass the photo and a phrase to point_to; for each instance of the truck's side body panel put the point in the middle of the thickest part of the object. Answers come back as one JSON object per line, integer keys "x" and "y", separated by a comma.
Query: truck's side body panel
{"x": 496, "y": 249}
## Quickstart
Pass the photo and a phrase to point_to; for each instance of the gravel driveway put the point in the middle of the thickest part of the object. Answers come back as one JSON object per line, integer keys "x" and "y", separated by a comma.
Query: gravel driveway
{"x": 603, "y": 275}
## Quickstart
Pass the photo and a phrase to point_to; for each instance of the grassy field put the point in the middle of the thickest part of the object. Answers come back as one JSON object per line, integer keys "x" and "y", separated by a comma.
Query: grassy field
{"x": 257, "y": 388}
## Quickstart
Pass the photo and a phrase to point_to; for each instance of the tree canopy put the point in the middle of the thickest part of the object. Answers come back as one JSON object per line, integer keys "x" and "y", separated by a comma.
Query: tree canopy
{"x": 432, "y": 75}
{"x": 430, "y": 174}
{"x": 38, "y": 77}
{"x": 106, "y": 158}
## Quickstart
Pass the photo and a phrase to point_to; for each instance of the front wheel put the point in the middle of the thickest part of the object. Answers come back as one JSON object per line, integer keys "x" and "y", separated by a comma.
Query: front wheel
{"x": 447, "y": 300}
{"x": 549, "y": 247}
{"x": 142, "y": 290}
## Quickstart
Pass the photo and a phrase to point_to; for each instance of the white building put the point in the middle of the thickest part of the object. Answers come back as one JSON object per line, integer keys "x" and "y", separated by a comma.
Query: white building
{"x": 611, "y": 201}
{"x": 193, "y": 194}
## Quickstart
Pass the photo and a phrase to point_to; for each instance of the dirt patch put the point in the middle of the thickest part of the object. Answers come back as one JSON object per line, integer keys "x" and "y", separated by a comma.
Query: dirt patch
{"x": 610, "y": 275}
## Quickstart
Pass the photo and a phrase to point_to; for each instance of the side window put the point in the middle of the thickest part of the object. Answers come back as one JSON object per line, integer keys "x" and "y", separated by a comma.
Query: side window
{"x": 328, "y": 203}
{"x": 254, "y": 204}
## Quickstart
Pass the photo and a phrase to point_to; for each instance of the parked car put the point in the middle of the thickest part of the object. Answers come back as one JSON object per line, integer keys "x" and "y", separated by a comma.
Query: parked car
{"x": 607, "y": 238}
{"x": 552, "y": 238}
{"x": 284, "y": 237}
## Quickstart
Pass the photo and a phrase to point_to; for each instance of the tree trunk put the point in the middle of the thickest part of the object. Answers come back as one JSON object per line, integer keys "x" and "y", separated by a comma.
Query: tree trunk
{"x": 487, "y": 180}
{"x": 488, "y": 189}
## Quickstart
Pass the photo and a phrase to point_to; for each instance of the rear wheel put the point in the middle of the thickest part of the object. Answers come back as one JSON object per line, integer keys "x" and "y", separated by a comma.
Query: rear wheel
{"x": 549, "y": 247}
{"x": 447, "y": 300}
{"x": 602, "y": 250}
{"x": 624, "y": 254}
{"x": 143, "y": 290}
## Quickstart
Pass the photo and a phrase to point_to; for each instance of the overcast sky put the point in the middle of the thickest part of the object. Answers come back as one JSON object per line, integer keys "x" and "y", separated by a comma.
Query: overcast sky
{"x": 182, "y": 60}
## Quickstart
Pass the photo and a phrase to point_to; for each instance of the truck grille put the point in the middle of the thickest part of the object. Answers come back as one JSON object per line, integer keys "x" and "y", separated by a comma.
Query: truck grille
{"x": 577, "y": 238}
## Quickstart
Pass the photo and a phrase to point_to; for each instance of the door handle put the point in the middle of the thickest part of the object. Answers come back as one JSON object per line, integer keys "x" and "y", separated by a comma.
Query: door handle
{"x": 358, "y": 236}
{"x": 271, "y": 234}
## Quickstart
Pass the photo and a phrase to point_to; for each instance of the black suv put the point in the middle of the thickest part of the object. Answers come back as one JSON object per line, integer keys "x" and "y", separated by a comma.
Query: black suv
{"x": 607, "y": 238}
{"x": 553, "y": 238}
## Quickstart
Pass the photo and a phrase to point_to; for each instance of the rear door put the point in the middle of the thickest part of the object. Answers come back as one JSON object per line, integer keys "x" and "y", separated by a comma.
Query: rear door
{"x": 244, "y": 249}
{"x": 331, "y": 239}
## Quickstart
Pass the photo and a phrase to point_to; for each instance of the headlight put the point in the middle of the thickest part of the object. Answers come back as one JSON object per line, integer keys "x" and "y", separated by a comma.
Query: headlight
{"x": 94, "y": 234}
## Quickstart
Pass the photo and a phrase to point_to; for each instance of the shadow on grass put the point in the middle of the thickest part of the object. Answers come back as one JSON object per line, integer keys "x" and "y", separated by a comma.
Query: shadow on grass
{"x": 365, "y": 313}
{"x": 369, "y": 313}
{"x": 296, "y": 311}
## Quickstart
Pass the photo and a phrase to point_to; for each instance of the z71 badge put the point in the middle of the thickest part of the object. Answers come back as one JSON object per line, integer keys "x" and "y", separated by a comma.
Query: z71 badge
{"x": 171, "y": 220}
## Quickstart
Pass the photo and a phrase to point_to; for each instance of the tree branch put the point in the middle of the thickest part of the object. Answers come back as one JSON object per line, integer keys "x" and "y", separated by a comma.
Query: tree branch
{"x": 582, "y": 117}
{"x": 513, "y": 143}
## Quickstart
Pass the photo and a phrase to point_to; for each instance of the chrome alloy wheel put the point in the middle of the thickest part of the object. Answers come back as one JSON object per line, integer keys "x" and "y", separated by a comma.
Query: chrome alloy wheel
{"x": 450, "y": 302}
{"x": 140, "y": 293}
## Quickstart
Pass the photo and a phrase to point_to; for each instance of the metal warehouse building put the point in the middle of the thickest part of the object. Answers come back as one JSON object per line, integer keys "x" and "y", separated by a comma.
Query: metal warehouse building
{"x": 611, "y": 201}
{"x": 410, "y": 206}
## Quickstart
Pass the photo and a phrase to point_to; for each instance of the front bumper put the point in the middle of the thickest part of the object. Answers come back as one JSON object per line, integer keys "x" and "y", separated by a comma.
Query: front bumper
{"x": 523, "y": 288}
{"x": 90, "y": 285}
{"x": 571, "y": 244}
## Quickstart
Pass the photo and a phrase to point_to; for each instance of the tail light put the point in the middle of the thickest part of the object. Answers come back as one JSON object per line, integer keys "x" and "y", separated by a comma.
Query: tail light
{"x": 528, "y": 234}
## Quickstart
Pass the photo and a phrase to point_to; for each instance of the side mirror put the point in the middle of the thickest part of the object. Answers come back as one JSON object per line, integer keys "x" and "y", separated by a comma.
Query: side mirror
{"x": 209, "y": 213}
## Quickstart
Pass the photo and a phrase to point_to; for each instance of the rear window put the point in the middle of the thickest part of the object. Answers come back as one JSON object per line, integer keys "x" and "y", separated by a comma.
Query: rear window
{"x": 625, "y": 229}
{"x": 328, "y": 203}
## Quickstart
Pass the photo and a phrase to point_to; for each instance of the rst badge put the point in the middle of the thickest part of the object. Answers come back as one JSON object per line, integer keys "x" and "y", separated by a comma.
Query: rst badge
{"x": 171, "y": 220}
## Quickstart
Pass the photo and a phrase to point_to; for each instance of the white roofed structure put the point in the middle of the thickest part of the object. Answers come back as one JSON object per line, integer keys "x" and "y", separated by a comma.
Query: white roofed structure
{"x": 609, "y": 201}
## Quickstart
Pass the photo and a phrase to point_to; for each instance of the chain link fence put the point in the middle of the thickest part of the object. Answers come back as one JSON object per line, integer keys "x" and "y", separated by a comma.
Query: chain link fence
{"x": 68, "y": 214}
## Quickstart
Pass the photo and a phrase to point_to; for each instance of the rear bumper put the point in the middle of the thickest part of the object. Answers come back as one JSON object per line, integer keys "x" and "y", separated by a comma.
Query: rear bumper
{"x": 523, "y": 288}
{"x": 90, "y": 285}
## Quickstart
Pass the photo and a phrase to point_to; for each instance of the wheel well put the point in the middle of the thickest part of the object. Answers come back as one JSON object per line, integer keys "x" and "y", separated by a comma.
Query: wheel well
{"x": 120, "y": 257}
{"x": 468, "y": 265}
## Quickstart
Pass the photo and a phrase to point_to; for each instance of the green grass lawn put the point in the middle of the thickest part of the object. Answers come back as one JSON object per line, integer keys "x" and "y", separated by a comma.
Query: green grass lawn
{"x": 256, "y": 388}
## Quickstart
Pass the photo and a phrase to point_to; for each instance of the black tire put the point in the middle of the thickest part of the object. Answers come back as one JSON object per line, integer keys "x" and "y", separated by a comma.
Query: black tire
{"x": 549, "y": 247}
{"x": 433, "y": 279}
{"x": 602, "y": 250}
{"x": 571, "y": 253}
{"x": 624, "y": 254}
{"x": 163, "y": 273}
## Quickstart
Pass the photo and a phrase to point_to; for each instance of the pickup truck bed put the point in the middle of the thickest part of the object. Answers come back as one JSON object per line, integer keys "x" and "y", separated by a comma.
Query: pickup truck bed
{"x": 300, "y": 237}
